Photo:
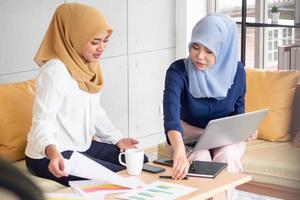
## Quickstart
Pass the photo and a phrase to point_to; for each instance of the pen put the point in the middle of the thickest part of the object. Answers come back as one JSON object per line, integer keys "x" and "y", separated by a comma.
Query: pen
{"x": 170, "y": 177}
{"x": 193, "y": 166}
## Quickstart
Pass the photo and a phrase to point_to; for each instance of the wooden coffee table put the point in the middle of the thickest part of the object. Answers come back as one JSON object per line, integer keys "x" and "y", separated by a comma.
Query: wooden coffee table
{"x": 206, "y": 187}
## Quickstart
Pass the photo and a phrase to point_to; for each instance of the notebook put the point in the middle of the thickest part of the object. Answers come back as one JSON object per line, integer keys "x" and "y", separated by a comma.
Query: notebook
{"x": 198, "y": 168}
{"x": 206, "y": 169}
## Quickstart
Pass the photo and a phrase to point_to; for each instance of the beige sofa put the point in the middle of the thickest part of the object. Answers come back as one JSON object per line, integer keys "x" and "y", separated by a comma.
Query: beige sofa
{"x": 44, "y": 184}
{"x": 16, "y": 101}
{"x": 274, "y": 166}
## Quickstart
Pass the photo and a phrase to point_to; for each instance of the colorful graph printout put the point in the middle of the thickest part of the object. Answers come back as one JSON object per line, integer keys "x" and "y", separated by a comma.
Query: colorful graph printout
{"x": 101, "y": 187}
{"x": 158, "y": 190}
{"x": 86, "y": 187}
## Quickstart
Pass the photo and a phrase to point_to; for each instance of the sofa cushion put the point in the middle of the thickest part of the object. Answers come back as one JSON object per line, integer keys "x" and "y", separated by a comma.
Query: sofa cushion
{"x": 274, "y": 90}
{"x": 273, "y": 162}
{"x": 16, "y": 100}
{"x": 296, "y": 140}
{"x": 45, "y": 185}
{"x": 296, "y": 112}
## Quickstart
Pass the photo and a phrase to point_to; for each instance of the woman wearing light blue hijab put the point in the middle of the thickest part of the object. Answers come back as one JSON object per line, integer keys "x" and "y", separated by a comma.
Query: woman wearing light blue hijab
{"x": 207, "y": 85}
{"x": 218, "y": 33}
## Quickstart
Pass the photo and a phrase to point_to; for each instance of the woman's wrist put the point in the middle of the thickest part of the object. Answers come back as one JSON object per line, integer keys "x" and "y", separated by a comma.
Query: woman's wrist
{"x": 52, "y": 152}
{"x": 176, "y": 140}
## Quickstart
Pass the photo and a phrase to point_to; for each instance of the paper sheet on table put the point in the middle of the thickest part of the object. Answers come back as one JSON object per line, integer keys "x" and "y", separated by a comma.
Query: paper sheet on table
{"x": 158, "y": 190}
{"x": 82, "y": 166}
{"x": 71, "y": 196}
{"x": 86, "y": 187}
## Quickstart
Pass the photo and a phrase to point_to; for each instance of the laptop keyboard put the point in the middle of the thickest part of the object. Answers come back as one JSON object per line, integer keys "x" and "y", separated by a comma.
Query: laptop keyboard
{"x": 191, "y": 144}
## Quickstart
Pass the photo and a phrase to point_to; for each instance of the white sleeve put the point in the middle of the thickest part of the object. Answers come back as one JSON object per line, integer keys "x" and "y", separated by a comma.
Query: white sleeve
{"x": 105, "y": 130}
{"x": 48, "y": 100}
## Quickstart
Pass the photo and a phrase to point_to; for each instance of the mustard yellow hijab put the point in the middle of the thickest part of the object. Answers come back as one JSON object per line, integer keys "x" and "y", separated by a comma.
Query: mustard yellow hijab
{"x": 73, "y": 25}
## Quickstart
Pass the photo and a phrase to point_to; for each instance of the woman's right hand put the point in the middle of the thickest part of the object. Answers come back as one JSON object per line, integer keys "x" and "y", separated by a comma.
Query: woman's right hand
{"x": 180, "y": 161}
{"x": 180, "y": 164}
{"x": 56, "y": 165}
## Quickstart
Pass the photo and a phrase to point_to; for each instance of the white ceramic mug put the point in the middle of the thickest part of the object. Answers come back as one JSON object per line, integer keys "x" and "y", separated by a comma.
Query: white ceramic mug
{"x": 134, "y": 160}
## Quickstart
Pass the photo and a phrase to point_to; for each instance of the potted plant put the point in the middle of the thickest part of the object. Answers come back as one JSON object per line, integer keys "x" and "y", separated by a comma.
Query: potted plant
{"x": 275, "y": 12}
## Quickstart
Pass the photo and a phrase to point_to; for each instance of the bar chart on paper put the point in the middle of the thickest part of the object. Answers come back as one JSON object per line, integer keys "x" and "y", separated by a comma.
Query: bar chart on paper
{"x": 86, "y": 187}
{"x": 158, "y": 190}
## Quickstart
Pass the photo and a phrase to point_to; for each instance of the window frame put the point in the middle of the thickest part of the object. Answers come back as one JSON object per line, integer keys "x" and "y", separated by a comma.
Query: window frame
{"x": 261, "y": 50}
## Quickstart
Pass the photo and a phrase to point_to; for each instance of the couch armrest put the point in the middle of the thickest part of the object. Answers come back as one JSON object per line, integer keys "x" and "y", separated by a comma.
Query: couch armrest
{"x": 296, "y": 112}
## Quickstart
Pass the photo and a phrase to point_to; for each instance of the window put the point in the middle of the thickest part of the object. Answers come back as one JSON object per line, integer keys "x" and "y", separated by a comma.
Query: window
{"x": 262, "y": 43}
{"x": 234, "y": 9}
{"x": 277, "y": 37}
{"x": 272, "y": 47}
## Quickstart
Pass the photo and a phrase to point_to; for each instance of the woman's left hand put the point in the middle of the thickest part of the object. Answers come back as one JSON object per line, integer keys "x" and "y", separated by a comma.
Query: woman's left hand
{"x": 127, "y": 143}
{"x": 253, "y": 136}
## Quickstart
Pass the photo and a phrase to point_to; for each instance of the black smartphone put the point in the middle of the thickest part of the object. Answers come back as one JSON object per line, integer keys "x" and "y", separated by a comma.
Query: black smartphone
{"x": 153, "y": 169}
{"x": 166, "y": 162}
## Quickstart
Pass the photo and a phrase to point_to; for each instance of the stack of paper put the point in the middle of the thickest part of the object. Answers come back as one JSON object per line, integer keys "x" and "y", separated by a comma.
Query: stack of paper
{"x": 70, "y": 196}
{"x": 82, "y": 166}
{"x": 104, "y": 181}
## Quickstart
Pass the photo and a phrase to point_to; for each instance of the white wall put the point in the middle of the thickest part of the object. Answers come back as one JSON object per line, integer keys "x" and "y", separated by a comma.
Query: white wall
{"x": 134, "y": 64}
{"x": 23, "y": 24}
{"x": 188, "y": 13}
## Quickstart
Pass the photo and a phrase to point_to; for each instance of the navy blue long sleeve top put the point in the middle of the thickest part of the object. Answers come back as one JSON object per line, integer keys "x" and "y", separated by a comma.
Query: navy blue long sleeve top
{"x": 179, "y": 104}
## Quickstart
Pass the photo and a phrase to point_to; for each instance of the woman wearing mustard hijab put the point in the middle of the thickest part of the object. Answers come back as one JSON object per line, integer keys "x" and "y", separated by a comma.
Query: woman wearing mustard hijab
{"x": 67, "y": 111}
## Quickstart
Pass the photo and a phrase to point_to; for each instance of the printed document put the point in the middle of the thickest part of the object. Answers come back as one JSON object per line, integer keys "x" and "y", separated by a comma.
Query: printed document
{"x": 82, "y": 166}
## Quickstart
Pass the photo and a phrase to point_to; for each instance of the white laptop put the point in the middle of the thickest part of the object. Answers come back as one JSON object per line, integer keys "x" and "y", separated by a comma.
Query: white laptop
{"x": 227, "y": 130}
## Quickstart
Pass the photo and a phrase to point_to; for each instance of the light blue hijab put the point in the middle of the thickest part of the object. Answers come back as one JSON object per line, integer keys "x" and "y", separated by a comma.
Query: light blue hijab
{"x": 218, "y": 33}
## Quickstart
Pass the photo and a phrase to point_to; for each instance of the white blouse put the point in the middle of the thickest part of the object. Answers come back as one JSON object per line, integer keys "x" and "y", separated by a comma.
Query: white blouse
{"x": 65, "y": 115}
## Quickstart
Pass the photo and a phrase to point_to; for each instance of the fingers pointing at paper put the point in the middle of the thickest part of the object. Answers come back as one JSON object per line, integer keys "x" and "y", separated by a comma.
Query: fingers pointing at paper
{"x": 180, "y": 165}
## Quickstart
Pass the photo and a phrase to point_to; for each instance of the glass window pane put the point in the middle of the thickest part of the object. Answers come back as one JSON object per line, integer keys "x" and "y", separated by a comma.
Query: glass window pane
{"x": 250, "y": 47}
{"x": 282, "y": 40}
{"x": 275, "y": 55}
{"x": 270, "y": 33}
{"x": 297, "y": 35}
{"x": 270, "y": 45}
{"x": 270, "y": 57}
{"x": 272, "y": 37}
{"x": 275, "y": 33}
{"x": 233, "y": 8}
{"x": 286, "y": 8}
{"x": 284, "y": 33}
